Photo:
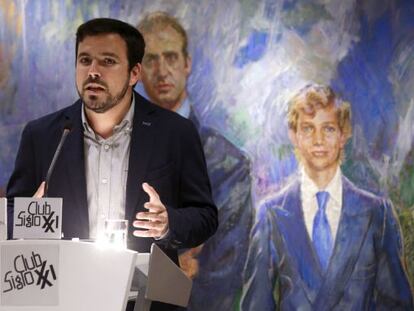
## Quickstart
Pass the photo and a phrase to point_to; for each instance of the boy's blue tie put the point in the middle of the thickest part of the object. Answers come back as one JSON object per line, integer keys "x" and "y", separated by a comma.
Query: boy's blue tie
{"x": 321, "y": 232}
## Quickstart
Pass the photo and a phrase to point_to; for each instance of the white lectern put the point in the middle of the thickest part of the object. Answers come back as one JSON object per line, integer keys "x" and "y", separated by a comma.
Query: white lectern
{"x": 58, "y": 275}
{"x": 55, "y": 275}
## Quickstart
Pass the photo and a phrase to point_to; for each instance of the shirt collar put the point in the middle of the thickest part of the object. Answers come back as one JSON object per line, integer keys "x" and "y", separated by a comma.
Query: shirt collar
{"x": 184, "y": 109}
{"x": 334, "y": 188}
{"x": 126, "y": 122}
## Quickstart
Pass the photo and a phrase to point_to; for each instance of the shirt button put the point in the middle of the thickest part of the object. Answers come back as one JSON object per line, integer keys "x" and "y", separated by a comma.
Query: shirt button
{"x": 104, "y": 180}
{"x": 106, "y": 147}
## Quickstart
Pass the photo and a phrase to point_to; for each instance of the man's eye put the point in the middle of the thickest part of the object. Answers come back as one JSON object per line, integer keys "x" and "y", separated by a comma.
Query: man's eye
{"x": 330, "y": 129}
{"x": 307, "y": 129}
{"x": 150, "y": 60}
{"x": 109, "y": 61}
{"x": 84, "y": 60}
{"x": 171, "y": 58}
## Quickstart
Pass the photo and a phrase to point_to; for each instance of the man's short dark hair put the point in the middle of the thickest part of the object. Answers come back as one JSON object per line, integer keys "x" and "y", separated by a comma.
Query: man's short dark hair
{"x": 132, "y": 37}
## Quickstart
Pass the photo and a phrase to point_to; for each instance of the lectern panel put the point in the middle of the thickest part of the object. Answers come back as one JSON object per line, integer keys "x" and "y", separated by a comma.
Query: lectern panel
{"x": 63, "y": 276}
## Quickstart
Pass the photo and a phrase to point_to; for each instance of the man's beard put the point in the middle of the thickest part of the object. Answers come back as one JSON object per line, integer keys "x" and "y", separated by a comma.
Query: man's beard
{"x": 100, "y": 106}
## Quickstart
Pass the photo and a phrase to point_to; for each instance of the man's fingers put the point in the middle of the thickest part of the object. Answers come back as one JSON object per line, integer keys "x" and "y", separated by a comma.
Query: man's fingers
{"x": 147, "y": 233}
{"x": 151, "y": 217}
{"x": 153, "y": 195}
{"x": 154, "y": 222}
{"x": 143, "y": 224}
{"x": 154, "y": 207}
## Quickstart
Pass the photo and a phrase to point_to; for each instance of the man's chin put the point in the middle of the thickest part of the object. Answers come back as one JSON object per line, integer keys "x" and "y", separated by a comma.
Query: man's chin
{"x": 323, "y": 166}
{"x": 165, "y": 97}
{"x": 97, "y": 107}
{"x": 164, "y": 102}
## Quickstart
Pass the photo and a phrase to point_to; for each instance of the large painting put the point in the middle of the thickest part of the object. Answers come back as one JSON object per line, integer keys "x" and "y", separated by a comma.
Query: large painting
{"x": 248, "y": 59}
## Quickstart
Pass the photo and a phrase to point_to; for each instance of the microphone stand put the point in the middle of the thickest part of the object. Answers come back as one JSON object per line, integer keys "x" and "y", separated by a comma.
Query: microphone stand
{"x": 65, "y": 133}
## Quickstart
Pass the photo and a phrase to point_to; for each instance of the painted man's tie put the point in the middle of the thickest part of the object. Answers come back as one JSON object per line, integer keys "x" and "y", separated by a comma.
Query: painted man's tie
{"x": 321, "y": 233}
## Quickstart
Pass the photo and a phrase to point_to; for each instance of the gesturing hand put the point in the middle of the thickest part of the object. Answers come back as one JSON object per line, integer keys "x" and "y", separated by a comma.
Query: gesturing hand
{"x": 155, "y": 220}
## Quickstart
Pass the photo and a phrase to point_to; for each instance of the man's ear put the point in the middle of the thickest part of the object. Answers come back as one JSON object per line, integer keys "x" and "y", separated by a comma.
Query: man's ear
{"x": 188, "y": 65}
{"x": 135, "y": 75}
{"x": 292, "y": 137}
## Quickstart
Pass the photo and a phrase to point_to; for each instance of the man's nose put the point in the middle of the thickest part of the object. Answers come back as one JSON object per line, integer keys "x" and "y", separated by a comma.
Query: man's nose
{"x": 162, "y": 67}
{"x": 318, "y": 137}
{"x": 93, "y": 72}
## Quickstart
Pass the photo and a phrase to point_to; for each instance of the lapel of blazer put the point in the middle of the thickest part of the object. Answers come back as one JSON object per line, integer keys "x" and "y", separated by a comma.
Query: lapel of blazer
{"x": 353, "y": 226}
{"x": 300, "y": 263}
{"x": 73, "y": 155}
{"x": 142, "y": 143}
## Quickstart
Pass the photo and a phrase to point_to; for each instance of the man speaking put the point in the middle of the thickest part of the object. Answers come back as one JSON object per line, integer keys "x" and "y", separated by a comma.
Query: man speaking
{"x": 124, "y": 157}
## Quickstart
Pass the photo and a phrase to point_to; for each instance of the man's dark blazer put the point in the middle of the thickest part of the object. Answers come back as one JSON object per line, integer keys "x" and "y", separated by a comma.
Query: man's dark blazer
{"x": 365, "y": 271}
{"x": 222, "y": 259}
{"x": 165, "y": 151}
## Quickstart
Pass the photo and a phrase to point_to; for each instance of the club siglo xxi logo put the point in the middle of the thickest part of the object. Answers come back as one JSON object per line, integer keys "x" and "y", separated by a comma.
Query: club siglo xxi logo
{"x": 31, "y": 271}
{"x": 38, "y": 216}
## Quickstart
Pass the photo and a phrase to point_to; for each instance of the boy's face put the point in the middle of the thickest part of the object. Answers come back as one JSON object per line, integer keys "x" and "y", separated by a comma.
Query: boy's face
{"x": 318, "y": 140}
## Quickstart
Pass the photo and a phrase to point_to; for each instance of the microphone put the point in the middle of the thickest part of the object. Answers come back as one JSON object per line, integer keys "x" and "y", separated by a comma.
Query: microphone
{"x": 66, "y": 130}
